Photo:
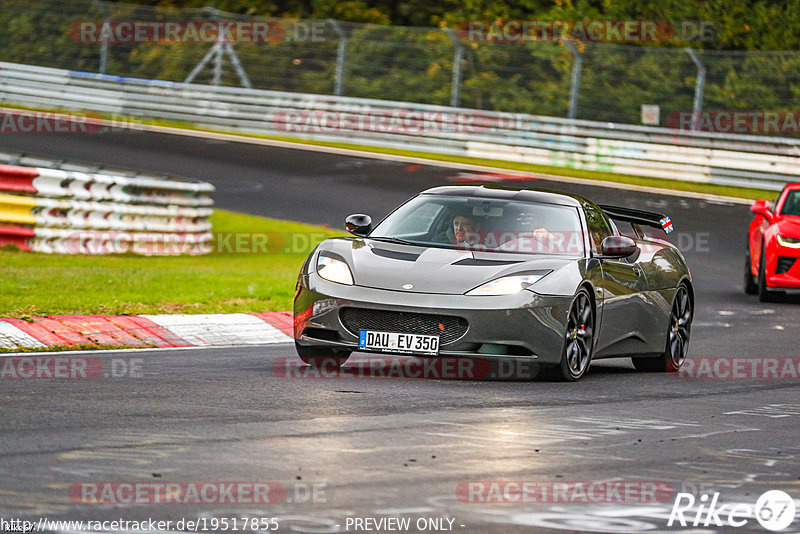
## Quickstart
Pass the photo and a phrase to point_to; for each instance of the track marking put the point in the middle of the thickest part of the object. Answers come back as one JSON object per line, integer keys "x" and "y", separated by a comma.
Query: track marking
{"x": 220, "y": 329}
{"x": 12, "y": 337}
{"x": 163, "y": 331}
{"x": 127, "y": 351}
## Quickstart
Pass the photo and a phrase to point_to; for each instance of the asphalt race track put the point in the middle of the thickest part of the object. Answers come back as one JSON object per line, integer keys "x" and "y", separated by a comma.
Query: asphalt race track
{"x": 403, "y": 448}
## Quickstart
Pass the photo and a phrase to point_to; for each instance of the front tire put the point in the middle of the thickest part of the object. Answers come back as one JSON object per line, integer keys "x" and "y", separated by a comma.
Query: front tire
{"x": 764, "y": 294}
{"x": 750, "y": 285}
{"x": 319, "y": 356}
{"x": 578, "y": 341}
{"x": 678, "y": 333}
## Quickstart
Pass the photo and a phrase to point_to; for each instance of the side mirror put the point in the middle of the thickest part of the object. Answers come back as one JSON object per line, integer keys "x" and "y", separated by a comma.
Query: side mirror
{"x": 761, "y": 207}
{"x": 618, "y": 246}
{"x": 358, "y": 224}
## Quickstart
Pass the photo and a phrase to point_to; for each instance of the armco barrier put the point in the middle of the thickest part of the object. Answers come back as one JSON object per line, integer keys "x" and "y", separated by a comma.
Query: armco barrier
{"x": 76, "y": 210}
{"x": 728, "y": 159}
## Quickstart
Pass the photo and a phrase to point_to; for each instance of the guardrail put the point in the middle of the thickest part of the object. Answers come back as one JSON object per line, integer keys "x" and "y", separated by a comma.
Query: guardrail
{"x": 79, "y": 210}
{"x": 727, "y": 159}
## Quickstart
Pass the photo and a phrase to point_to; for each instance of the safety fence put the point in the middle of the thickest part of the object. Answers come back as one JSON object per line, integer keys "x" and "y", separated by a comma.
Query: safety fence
{"x": 605, "y": 76}
{"x": 758, "y": 161}
{"x": 78, "y": 210}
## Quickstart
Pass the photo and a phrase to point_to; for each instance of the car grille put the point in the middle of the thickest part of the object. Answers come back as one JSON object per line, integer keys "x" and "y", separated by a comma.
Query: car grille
{"x": 784, "y": 264}
{"x": 447, "y": 327}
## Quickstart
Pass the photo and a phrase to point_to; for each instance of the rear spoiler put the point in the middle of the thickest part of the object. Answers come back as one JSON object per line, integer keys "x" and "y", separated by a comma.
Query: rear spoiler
{"x": 645, "y": 218}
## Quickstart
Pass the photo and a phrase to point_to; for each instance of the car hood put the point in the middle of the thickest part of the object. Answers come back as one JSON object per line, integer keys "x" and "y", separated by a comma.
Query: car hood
{"x": 788, "y": 226}
{"x": 383, "y": 265}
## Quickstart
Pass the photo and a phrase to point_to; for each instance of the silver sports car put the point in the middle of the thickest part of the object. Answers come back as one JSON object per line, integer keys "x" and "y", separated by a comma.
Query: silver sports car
{"x": 494, "y": 272}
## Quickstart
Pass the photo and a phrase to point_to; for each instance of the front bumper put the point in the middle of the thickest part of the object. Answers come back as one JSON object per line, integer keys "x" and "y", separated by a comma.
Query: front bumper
{"x": 783, "y": 268}
{"x": 522, "y": 326}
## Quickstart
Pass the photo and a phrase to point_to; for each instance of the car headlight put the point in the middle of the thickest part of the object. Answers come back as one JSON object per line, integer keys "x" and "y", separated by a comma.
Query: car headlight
{"x": 506, "y": 285}
{"x": 790, "y": 242}
{"x": 334, "y": 270}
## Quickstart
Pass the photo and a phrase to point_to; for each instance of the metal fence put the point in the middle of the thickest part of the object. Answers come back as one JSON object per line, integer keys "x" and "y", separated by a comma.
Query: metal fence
{"x": 436, "y": 66}
{"x": 739, "y": 160}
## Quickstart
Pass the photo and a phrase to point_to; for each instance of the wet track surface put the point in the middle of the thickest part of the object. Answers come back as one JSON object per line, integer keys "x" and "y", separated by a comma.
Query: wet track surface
{"x": 402, "y": 447}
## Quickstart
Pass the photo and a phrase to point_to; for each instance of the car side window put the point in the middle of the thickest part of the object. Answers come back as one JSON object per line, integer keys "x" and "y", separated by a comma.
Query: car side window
{"x": 626, "y": 229}
{"x": 599, "y": 228}
{"x": 791, "y": 206}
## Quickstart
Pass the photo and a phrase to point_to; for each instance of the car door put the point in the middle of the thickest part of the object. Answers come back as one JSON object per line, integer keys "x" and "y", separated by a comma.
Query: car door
{"x": 622, "y": 287}
{"x": 758, "y": 226}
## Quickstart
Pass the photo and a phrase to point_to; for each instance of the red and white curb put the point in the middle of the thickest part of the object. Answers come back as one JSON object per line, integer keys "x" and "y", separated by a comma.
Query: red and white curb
{"x": 161, "y": 331}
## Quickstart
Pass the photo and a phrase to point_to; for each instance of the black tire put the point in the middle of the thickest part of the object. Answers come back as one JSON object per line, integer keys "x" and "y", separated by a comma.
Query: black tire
{"x": 764, "y": 294}
{"x": 678, "y": 333}
{"x": 750, "y": 285}
{"x": 319, "y": 356}
{"x": 576, "y": 354}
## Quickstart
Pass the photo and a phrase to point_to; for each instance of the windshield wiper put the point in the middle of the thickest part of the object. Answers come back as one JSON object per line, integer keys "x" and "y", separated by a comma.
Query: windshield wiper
{"x": 394, "y": 240}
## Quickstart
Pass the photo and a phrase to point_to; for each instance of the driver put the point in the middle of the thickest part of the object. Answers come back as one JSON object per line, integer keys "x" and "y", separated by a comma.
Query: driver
{"x": 462, "y": 231}
{"x": 463, "y": 226}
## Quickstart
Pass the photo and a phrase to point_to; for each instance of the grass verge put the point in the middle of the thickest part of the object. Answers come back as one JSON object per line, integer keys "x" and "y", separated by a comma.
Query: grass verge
{"x": 253, "y": 268}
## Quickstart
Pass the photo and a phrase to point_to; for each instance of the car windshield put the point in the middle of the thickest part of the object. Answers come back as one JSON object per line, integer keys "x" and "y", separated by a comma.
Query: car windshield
{"x": 491, "y": 225}
{"x": 792, "y": 204}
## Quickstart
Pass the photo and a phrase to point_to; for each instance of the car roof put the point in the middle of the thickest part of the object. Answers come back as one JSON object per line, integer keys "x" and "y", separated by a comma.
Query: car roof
{"x": 543, "y": 196}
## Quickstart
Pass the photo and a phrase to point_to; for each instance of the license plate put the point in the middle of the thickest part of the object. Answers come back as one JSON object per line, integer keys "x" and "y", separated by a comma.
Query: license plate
{"x": 398, "y": 342}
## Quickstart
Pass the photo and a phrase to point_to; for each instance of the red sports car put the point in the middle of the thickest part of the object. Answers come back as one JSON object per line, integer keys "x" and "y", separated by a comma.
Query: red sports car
{"x": 773, "y": 247}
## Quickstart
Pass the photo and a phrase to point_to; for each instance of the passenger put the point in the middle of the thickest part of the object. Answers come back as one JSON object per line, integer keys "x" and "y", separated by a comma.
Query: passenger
{"x": 537, "y": 239}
